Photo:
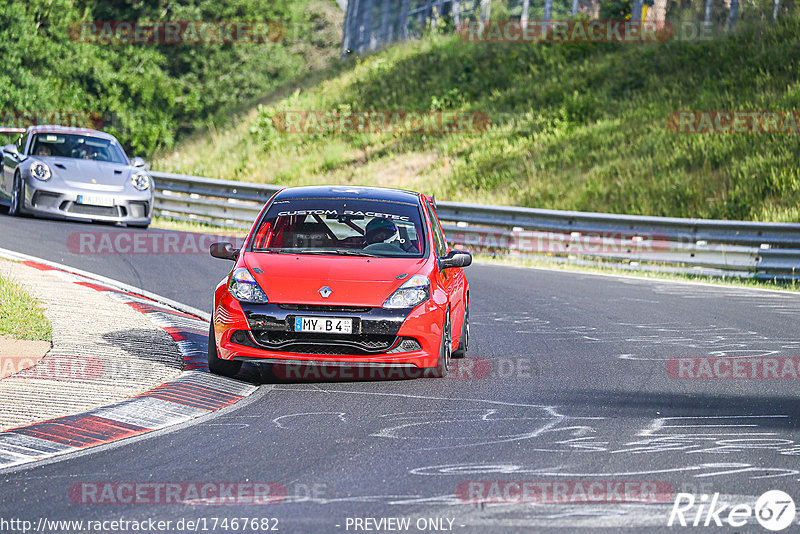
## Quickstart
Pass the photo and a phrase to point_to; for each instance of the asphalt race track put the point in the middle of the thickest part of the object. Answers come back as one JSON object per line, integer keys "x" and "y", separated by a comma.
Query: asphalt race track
{"x": 567, "y": 381}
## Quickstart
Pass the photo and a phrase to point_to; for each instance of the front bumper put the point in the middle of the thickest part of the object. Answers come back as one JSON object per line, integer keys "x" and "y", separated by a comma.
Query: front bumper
{"x": 47, "y": 199}
{"x": 265, "y": 333}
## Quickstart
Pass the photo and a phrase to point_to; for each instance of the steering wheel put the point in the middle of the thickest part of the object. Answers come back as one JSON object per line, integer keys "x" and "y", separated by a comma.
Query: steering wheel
{"x": 390, "y": 248}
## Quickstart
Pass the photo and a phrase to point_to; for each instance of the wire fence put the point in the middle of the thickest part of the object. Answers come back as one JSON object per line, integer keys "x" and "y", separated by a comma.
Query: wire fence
{"x": 370, "y": 24}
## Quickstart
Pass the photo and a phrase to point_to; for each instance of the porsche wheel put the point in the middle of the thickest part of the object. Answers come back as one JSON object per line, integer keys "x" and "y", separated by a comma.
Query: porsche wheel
{"x": 440, "y": 371}
{"x": 16, "y": 197}
{"x": 217, "y": 365}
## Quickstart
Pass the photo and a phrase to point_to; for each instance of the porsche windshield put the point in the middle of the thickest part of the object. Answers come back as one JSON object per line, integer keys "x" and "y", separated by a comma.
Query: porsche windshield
{"x": 348, "y": 227}
{"x": 77, "y": 147}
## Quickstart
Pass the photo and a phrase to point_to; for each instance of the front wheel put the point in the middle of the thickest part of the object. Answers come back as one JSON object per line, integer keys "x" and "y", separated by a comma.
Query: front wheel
{"x": 217, "y": 365}
{"x": 443, "y": 364}
{"x": 16, "y": 197}
{"x": 463, "y": 343}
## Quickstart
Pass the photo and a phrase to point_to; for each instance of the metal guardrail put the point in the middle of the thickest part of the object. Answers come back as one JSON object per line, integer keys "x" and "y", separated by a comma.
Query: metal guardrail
{"x": 701, "y": 246}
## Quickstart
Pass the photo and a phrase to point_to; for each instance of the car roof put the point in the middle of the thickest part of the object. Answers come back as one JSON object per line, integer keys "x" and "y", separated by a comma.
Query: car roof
{"x": 345, "y": 191}
{"x": 70, "y": 130}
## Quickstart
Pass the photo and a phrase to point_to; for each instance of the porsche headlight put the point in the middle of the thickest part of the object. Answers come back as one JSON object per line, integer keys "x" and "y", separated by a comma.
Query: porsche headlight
{"x": 40, "y": 171}
{"x": 415, "y": 291}
{"x": 140, "y": 180}
{"x": 244, "y": 287}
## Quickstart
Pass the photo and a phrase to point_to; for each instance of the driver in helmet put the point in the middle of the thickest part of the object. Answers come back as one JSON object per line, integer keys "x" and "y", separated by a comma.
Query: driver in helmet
{"x": 380, "y": 231}
{"x": 43, "y": 150}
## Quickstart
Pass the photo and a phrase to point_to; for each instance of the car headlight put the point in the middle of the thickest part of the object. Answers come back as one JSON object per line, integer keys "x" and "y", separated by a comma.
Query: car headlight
{"x": 244, "y": 287}
{"x": 140, "y": 181}
{"x": 40, "y": 171}
{"x": 415, "y": 291}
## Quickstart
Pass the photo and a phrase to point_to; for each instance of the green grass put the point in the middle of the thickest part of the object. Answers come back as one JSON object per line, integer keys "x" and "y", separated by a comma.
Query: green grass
{"x": 21, "y": 316}
{"x": 578, "y": 126}
{"x": 163, "y": 223}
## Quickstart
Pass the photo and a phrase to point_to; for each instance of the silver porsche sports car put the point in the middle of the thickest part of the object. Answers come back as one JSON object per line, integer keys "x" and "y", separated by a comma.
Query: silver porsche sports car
{"x": 75, "y": 173}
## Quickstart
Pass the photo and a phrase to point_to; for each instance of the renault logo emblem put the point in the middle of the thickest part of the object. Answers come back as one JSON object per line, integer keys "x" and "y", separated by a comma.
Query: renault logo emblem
{"x": 325, "y": 292}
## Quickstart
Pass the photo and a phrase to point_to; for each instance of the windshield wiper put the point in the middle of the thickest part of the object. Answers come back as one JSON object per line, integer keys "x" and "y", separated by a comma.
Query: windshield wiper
{"x": 320, "y": 252}
{"x": 300, "y": 251}
{"x": 354, "y": 252}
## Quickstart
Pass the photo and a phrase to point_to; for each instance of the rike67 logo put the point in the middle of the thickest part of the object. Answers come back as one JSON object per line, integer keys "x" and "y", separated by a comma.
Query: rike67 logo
{"x": 775, "y": 510}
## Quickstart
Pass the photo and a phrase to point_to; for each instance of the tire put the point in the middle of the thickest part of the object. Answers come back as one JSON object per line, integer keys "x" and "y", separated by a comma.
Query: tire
{"x": 141, "y": 226}
{"x": 443, "y": 364}
{"x": 15, "y": 209}
{"x": 463, "y": 343}
{"x": 217, "y": 365}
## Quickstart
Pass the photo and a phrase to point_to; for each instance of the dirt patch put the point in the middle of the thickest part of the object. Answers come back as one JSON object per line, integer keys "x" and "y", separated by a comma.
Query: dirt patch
{"x": 18, "y": 354}
{"x": 399, "y": 171}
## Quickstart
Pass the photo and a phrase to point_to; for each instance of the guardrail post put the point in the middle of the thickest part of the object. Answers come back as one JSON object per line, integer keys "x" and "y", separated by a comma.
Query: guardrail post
{"x": 486, "y": 9}
{"x": 636, "y": 10}
{"x": 548, "y": 8}
{"x": 523, "y": 19}
{"x": 734, "y": 13}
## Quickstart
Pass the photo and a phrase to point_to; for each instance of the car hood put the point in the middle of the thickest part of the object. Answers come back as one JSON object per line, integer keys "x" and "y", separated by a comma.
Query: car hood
{"x": 354, "y": 281}
{"x": 89, "y": 171}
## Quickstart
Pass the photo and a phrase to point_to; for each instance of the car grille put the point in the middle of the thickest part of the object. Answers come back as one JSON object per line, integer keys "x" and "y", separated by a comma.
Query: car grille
{"x": 303, "y": 343}
{"x": 324, "y": 308}
{"x": 43, "y": 199}
{"x": 88, "y": 209}
{"x": 138, "y": 209}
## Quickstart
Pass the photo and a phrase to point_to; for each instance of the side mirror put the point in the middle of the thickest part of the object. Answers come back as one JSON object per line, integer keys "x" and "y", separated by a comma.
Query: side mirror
{"x": 456, "y": 258}
{"x": 224, "y": 251}
{"x": 11, "y": 149}
{"x": 139, "y": 162}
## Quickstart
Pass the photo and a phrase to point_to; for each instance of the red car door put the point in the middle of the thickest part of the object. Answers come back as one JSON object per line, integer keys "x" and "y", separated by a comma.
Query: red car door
{"x": 453, "y": 280}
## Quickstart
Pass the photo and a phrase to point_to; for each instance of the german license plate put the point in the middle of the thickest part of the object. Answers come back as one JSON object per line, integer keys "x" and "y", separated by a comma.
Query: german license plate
{"x": 323, "y": 324}
{"x": 96, "y": 200}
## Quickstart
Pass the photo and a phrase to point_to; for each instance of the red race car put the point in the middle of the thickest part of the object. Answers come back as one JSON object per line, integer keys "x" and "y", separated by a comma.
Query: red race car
{"x": 345, "y": 277}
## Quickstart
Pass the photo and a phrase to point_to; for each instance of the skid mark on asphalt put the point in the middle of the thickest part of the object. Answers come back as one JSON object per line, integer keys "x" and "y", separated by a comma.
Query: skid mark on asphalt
{"x": 296, "y": 416}
{"x": 702, "y": 470}
{"x": 676, "y": 338}
{"x": 546, "y": 416}
{"x": 547, "y": 429}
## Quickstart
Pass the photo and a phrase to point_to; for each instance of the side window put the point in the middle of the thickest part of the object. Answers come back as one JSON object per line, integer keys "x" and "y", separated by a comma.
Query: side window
{"x": 438, "y": 235}
{"x": 21, "y": 143}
